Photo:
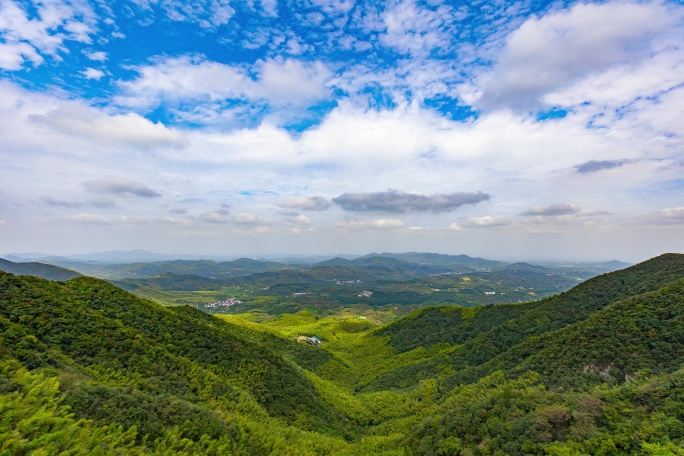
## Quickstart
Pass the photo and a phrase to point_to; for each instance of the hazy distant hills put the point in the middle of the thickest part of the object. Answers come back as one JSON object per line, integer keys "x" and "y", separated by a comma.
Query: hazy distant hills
{"x": 44, "y": 271}
{"x": 138, "y": 263}
{"x": 205, "y": 268}
{"x": 372, "y": 280}
{"x": 441, "y": 259}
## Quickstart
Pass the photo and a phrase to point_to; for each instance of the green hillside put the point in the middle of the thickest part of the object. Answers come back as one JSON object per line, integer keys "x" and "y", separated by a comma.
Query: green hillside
{"x": 88, "y": 368}
{"x": 491, "y": 331}
{"x": 171, "y": 372}
{"x": 44, "y": 271}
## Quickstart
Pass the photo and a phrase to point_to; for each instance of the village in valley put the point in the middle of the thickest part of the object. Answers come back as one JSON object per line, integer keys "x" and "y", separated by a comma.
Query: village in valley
{"x": 226, "y": 303}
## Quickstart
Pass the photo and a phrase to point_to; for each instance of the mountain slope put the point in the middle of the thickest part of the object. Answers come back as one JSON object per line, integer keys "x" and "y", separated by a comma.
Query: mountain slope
{"x": 127, "y": 361}
{"x": 44, "y": 271}
{"x": 497, "y": 329}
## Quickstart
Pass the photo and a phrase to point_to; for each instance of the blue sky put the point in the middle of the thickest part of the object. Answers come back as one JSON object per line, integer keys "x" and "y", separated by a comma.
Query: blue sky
{"x": 536, "y": 130}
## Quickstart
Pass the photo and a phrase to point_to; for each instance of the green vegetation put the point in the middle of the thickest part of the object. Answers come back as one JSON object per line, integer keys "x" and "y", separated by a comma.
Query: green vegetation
{"x": 44, "y": 271}
{"x": 87, "y": 368}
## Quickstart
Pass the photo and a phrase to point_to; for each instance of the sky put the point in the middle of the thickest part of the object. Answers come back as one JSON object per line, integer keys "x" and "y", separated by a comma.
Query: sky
{"x": 503, "y": 129}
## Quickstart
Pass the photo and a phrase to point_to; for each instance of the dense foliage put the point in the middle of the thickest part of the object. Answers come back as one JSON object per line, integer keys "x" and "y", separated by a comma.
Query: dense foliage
{"x": 495, "y": 330}
{"x": 87, "y": 368}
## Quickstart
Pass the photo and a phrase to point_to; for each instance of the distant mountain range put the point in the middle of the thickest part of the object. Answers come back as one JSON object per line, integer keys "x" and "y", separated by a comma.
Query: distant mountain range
{"x": 441, "y": 259}
{"x": 115, "y": 265}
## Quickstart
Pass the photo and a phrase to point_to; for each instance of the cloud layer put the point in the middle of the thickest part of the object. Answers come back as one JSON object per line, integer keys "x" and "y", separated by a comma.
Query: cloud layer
{"x": 275, "y": 126}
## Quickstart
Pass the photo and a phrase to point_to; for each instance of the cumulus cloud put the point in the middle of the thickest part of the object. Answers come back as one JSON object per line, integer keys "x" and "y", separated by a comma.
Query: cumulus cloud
{"x": 183, "y": 78}
{"x": 289, "y": 81}
{"x": 396, "y": 202}
{"x": 375, "y": 224}
{"x": 92, "y": 73}
{"x": 173, "y": 221}
{"x": 249, "y": 219}
{"x": 118, "y": 130}
{"x": 119, "y": 185}
{"x": 256, "y": 231}
{"x": 87, "y": 218}
{"x": 270, "y": 7}
{"x": 13, "y": 55}
{"x": 552, "y": 52}
{"x": 174, "y": 80}
{"x": 97, "y": 56}
{"x": 593, "y": 166}
{"x": 305, "y": 203}
{"x": 261, "y": 230}
{"x": 218, "y": 217}
{"x": 667, "y": 216}
{"x": 553, "y": 210}
{"x": 297, "y": 219}
{"x": 486, "y": 221}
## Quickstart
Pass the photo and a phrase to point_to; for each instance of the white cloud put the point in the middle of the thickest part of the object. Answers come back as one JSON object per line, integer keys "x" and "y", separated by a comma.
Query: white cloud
{"x": 173, "y": 80}
{"x": 551, "y": 53}
{"x": 13, "y": 55}
{"x": 88, "y": 218}
{"x": 256, "y": 231}
{"x": 290, "y": 81}
{"x": 183, "y": 78}
{"x": 246, "y": 218}
{"x": 261, "y": 230}
{"x": 415, "y": 30}
{"x": 54, "y": 23}
{"x": 667, "y": 216}
{"x": 208, "y": 14}
{"x": 119, "y": 129}
{"x": 218, "y": 217}
{"x": 92, "y": 73}
{"x": 98, "y": 56}
{"x": 173, "y": 221}
{"x": 300, "y": 219}
{"x": 373, "y": 224}
{"x": 486, "y": 221}
{"x": 623, "y": 84}
{"x": 270, "y": 7}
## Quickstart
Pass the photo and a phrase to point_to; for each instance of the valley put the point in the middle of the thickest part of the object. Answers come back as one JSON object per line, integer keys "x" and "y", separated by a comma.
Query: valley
{"x": 379, "y": 286}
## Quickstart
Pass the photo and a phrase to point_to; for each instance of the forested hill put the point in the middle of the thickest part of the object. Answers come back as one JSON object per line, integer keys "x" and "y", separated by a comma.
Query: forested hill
{"x": 485, "y": 333}
{"x": 44, "y": 271}
{"x": 175, "y": 373}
